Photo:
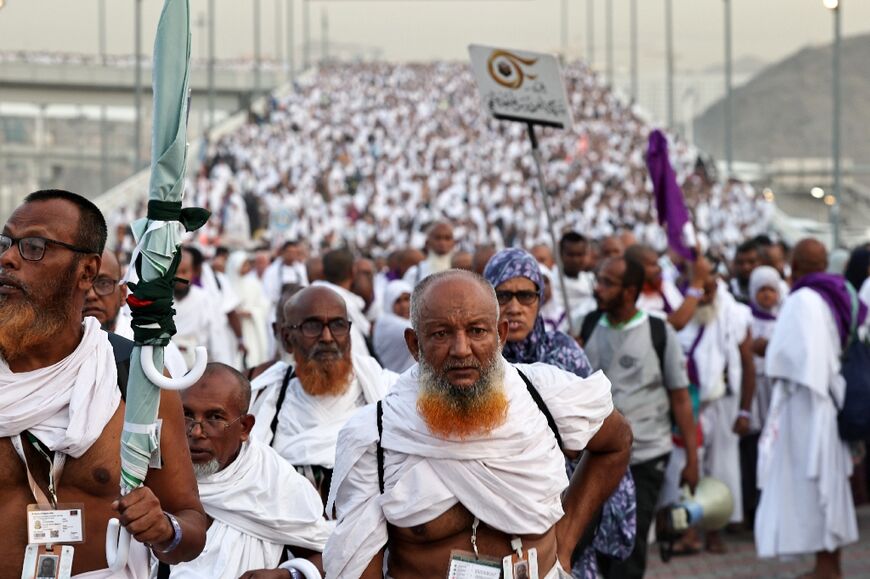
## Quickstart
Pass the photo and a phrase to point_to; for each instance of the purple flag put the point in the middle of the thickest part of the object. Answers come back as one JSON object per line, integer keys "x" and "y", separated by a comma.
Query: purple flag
{"x": 669, "y": 198}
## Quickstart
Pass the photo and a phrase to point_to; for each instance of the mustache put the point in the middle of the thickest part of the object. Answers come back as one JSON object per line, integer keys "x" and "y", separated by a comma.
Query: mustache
{"x": 325, "y": 350}
{"x": 11, "y": 281}
{"x": 459, "y": 365}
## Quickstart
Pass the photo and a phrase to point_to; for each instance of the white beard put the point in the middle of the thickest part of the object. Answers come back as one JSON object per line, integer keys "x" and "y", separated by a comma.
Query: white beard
{"x": 206, "y": 469}
{"x": 439, "y": 263}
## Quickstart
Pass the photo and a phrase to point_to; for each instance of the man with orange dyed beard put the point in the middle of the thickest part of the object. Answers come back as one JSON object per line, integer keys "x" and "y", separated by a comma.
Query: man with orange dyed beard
{"x": 325, "y": 385}
{"x": 460, "y": 470}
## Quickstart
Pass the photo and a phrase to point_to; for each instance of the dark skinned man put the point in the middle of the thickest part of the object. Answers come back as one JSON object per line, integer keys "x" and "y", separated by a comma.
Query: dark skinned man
{"x": 649, "y": 386}
{"x": 256, "y": 503}
{"x": 68, "y": 403}
{"x": 469, "y": 459}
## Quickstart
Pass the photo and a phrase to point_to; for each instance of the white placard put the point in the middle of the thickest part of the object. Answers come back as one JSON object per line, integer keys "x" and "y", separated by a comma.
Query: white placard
{"x": 516, "y": 85}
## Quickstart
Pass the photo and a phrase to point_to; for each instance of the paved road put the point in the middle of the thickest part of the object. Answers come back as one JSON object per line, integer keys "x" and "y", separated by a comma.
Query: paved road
{"x": 740, "y": 561}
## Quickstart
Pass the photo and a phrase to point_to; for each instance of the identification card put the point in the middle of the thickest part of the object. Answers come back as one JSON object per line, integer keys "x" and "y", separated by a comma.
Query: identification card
{"x": 40, "y": 563}
{"x": 522, "y": 568}
{"x": 47, "y": 526}
{"x": 466, "y": 565}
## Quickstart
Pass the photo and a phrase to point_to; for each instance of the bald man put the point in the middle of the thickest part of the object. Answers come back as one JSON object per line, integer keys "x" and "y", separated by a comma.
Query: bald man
{"x": 459, "y": 460}
{"x": 803, "y": 468}
{"x": 248, "y": 529}
{"x": 327, "y": 382}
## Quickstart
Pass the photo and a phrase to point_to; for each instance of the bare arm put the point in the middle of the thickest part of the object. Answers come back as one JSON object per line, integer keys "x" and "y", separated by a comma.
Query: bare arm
{"x": 172, "y": 489}
{"x": 603, "y": 466}
{"x": 747, "y": 384}
{"x": 375, "y": 569}
{"x": 681, "y": 408}
{"x": 683, "y": 315}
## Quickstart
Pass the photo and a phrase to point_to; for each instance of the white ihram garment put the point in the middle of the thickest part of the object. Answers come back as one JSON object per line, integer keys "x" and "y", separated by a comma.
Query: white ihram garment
{"x": 308, "y": 425}
{"x": 265, "y": 389}
{"x": 65, "y": 405}
{"x": 259, "y": 504}
{"x": 511, "y": 479}
{"x": 803, "y": 466}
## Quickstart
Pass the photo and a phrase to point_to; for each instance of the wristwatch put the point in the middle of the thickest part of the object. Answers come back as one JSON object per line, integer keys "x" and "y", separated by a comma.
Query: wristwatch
{"x": 176, "y": 534}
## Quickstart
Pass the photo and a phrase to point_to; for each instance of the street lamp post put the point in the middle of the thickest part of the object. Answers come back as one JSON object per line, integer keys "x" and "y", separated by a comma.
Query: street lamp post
{"x": 211, "y": 63}
{"x": 257, "y": 63}
{"x": 729, "y": 96}
{"x": 564, "y": 29}
{"x": 836, "y": 6}
{"x": 634, "y": 87}
{"x": 137, "y": 99}
{"x": 291, "y": 55}
{"x": 590, "y": 32}
{"x": 608, "y": 12}
{"x": 306, "y": 36}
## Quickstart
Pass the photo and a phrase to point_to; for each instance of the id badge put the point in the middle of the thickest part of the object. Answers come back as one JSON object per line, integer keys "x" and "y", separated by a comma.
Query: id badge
{"x": 466, "y": 565}
{"x": 40, "y": 563}
{"x": 47, "y": 526}
{"x": 522, "y": 568}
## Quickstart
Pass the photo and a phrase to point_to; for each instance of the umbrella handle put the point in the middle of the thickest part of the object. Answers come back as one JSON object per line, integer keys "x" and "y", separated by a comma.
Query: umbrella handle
{"x": 117, "y": 545}
{"x": 304, "y": 566}
{"x": 158, "y": 379}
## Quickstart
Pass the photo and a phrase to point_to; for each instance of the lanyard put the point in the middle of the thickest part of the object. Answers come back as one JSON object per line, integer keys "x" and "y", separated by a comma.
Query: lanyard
{"x": 55, "y": 470}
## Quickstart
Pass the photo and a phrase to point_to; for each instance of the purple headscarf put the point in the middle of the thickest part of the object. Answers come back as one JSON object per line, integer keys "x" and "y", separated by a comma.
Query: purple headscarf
{"x": 555, "y": 348}
{"x": 836, "y": 292}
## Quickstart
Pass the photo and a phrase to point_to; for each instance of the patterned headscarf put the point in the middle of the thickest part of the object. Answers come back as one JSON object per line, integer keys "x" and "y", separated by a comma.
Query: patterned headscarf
{"x": 555, "y": 348}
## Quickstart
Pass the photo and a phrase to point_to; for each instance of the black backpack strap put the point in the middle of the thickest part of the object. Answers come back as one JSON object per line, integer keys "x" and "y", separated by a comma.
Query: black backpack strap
{"x": 659, "y": 333}
{"x": 288, "y": 375}
{"x": 162, "y": 570}
{"x": 542, "y": 406}
{"x": 589, "y": 323}
{"x": 380, "y": 450}
{"x": 122, "y": 349}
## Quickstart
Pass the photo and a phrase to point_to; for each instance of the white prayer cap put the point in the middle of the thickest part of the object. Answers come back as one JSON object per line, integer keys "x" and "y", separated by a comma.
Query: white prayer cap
{"x": 764, "y": 276}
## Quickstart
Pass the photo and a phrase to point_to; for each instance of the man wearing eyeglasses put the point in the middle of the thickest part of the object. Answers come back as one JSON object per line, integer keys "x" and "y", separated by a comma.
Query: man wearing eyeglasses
{"x": 326, "y": 384}
{"x": 61, "y": 412}
{"x": 262, "y": 512}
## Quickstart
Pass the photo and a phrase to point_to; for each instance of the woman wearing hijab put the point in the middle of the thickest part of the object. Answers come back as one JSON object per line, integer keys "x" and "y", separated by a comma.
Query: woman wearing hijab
{"x": 519, "y": 288}
{"x": 389, "y": 332}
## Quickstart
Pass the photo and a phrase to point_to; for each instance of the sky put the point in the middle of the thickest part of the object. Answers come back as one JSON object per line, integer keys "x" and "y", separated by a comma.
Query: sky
{"x": 433, "y": 29}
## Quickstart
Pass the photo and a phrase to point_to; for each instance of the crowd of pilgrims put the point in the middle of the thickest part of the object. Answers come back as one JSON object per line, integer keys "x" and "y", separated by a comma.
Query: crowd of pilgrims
{"x": 367, "y": 179}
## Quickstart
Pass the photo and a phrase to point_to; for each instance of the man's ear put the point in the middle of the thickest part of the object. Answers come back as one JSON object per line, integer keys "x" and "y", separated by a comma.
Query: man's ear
{"x": 412, "y": 343}
{"x": 90, "y": 268}
{"x": 285, "y": 341}
{"x": 124, "y": 290}
{"x": 247, "y": 421}
{"x": 502, "y": 331}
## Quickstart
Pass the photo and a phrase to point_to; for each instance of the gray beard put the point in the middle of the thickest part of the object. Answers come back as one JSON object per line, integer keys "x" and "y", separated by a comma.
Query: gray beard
{"x": 206, "y": 469}
{"x": 491, "y": 378}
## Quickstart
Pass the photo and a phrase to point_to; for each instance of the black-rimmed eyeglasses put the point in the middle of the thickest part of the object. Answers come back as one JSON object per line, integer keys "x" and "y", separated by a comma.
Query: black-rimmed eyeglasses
{"x": 33, "y": 248}
{"x": 313, "y": 328}
{"x": 210, "y": 426}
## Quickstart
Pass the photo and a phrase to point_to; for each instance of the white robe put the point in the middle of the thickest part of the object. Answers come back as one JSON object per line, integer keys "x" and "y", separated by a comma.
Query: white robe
{"x": 803, "y": 466}
{"x": 259, "y": 504}
{"x": 195, "y": 320}
{"x": 655, "y": 303}
{"x": 253, "y": 301}
{"x": 388, "y": 336}
{"x": 580, "y": 297}
{"x": 265, "y": 390}
{"x": 511, "y": 478}
{"x": 308, "y": 426}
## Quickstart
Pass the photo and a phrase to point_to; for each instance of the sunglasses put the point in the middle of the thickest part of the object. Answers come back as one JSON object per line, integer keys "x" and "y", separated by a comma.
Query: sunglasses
{"x": 524, "y": 297}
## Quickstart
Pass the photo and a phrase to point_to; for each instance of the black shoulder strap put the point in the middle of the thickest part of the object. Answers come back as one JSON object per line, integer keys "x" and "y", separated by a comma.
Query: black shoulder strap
{"x": 122, "y": 349}
{"x": 288, "y": 375}
{"x": 380, "y": 451}
{"x": 659, "y": 334}
{"x": 589, "y": 323}
{"x": 162, "y": 570}
{"x": 542, "y": 406}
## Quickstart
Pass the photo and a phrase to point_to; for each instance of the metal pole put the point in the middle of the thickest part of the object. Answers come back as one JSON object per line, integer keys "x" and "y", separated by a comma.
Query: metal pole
{"x": 609, "y": 33}
{"x": 669, "y": 39}
{"x": 257, "y": 83}
{"x": 634, "y": 86}
{"x": 291, "y": 55}
{"x": 590, "y": 32}
{"x": 279, "y": 32}
{"x": 729, "y": 96}
{"x": 137, "y": 128}
{"x": 835, "y": 208}
{"x": 324, "y": 36}
{"x": 211, "y": 61}
{"x": 564, "y": 29}
{"x": 306, "y": 36}
{"x": 104, "y": 140}
{"x": 545, "y": 200}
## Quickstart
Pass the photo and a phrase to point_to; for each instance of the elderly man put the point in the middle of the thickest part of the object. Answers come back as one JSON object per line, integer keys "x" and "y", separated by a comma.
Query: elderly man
{"x": 61, "y": 404}
{"x": 803, "y": 465}
{"x": 327, "y": 383}
{"x": 439, "y": 249}
{"x": 104, "y": 300}
{"x": 257, "y": 505}
{"x": 465, "y": 459}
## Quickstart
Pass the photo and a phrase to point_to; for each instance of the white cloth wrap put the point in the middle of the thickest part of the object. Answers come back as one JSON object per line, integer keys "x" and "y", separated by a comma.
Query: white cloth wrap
{"x": 308, "y": 426}
{"x": 265, "y": 389}
{"x": 801, "y": 459}
{"x": 259, "y": 504}
{"x": 511, "y": 479}
{"x": 65, "y": 405}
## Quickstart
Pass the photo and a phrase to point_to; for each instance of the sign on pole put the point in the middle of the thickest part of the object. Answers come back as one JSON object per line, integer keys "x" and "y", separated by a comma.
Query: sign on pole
{"x": 516, "y": 85}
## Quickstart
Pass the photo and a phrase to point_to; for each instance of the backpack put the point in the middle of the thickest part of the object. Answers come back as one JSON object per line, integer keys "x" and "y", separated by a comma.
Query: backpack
{"x": 658, "y": 333}
{"x": 853, "y": 419}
